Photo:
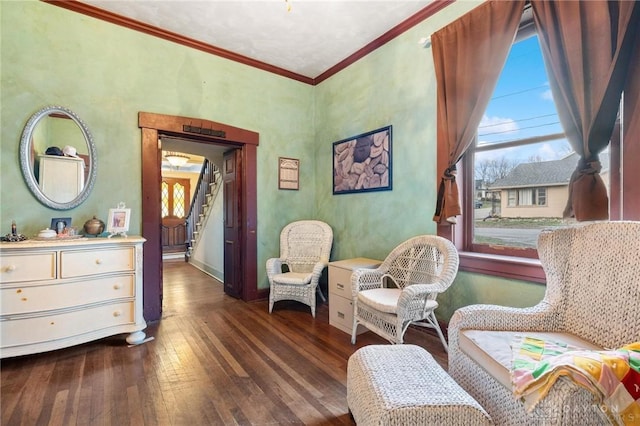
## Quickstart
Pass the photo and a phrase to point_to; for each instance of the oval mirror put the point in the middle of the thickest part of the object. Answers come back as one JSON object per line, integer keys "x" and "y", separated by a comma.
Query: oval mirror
{"x": 58, "y": 158}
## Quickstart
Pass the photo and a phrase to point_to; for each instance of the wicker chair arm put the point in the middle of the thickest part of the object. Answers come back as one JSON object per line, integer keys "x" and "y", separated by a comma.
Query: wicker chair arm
{"x": 412, "y": 300}
{"x": 318, "y": 268}
{"x": 494, "y": 317}
{"x": 274, "y": 267}
{"x": 541, "y": 317}
{"x": 419, "y": 292}
{"x": 365, "y": 279}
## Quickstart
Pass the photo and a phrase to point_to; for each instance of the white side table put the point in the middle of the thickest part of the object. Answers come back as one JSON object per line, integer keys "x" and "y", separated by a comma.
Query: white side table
{"x": 340, "y": 298}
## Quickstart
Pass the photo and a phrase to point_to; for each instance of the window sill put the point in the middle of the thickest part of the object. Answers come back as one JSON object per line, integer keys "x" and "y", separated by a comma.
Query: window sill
{"x": 519, "y": 268}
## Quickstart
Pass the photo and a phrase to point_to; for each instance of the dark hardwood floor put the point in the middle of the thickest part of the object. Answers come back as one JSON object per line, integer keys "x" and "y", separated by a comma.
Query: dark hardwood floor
{"x": 215, "y": 360}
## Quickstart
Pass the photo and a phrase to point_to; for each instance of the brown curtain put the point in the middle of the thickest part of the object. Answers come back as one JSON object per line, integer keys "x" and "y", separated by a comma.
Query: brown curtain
{"x": 469, "y": 55}
{"x": 631, "y": 142}
{"x": 586, "y": 46}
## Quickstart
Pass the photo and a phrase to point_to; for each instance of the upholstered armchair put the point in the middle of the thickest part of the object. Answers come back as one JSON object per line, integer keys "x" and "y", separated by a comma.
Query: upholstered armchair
{"x": 592, "y": 301}
{"x": 415, "y": 272}
{"x": 305, "y": 247}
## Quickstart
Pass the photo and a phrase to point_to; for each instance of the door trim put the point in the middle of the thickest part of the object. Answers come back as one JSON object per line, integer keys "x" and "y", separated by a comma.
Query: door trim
{"x": 205, "y": 131}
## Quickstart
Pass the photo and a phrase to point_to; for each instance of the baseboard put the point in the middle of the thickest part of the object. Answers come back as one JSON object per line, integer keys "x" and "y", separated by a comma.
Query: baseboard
{"x": 207, "y": 270}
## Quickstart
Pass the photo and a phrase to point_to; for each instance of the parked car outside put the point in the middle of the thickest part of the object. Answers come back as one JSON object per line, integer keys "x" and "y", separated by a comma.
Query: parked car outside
{"x": 478, "y": 204}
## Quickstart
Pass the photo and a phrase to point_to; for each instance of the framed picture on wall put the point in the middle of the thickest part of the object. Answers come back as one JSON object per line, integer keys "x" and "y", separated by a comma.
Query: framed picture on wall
{"x": 363, "y": 163}
{"x": 288, "y": 173}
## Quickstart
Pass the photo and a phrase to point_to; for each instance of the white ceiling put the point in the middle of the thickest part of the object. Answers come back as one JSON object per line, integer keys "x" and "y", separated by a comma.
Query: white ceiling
{"x": 308, "y": 39}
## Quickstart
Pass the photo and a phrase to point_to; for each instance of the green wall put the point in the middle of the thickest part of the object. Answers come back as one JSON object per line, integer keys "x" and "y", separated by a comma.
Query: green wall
{"x": 396, "y": 85}
{"x": 107, "y": 74}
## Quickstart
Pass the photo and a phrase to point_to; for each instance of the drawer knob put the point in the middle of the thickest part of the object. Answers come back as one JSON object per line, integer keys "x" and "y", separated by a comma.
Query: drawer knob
{"x": 10, "y": 268}
{"x": 24, "y": 299}
{"x": 98, "y": 261}
{"x": 117, "y": 314}
{"x": 117, "y": 286}
{"x": 340, "y": 286}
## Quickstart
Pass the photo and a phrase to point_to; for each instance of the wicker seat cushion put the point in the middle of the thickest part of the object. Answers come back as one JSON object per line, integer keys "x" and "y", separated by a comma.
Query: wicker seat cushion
{"x": 386, "y": 299}
{"x": 492, "y": 349}
{"x": 293, "y": 278}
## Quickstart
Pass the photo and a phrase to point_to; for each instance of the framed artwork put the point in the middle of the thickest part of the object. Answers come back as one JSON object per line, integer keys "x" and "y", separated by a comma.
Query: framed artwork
{"x": 288, "y": 173}
{"x": 363, "y": 163}
{"x": 118, "y": 221}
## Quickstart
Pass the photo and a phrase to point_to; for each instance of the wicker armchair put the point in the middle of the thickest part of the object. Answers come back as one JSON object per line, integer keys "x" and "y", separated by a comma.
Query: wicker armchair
{"x": 305, "y": 247}
{"x": 592, "y": 301}
{"x": 419, "y": 268}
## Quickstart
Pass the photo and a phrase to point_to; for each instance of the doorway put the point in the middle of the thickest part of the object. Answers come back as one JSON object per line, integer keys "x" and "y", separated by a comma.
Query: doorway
{"x": 207, "y": 132}
{"x": 175, "y": 198}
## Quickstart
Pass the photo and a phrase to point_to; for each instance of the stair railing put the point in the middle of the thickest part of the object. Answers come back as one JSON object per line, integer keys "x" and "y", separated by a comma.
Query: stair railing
{"x": 208, "y": 175}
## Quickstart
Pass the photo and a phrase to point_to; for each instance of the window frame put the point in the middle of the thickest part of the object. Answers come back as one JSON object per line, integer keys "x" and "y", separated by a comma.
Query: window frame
{"x": 523, "y": 264}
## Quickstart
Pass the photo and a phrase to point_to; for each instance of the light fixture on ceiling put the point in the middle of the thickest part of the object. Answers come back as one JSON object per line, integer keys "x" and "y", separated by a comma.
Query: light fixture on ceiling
{"x": 176, "y": 159}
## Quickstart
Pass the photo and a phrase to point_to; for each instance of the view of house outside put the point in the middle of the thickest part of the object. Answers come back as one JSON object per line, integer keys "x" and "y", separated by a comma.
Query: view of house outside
{"x": 522, "y": 161}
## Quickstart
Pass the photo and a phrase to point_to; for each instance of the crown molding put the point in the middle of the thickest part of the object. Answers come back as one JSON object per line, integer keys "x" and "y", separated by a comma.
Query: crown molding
{"x": 89, "y": 10}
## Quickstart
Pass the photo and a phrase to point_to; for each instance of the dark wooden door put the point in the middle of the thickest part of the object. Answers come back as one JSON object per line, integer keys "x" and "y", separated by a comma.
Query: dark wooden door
{"x": 231, "y": 176}
{"x": 175, "y": 205}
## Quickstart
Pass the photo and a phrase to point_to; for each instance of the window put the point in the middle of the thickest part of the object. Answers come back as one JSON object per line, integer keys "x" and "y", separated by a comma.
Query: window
{"x": 523, "y": 162}
{"x": 174, "y": 197}
{"x": 527, "y": 197}
{"x": 522, "y": 158}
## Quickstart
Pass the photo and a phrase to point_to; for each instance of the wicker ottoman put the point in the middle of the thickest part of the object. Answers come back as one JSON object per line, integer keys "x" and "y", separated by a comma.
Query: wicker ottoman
{"x": 404, "y": 385}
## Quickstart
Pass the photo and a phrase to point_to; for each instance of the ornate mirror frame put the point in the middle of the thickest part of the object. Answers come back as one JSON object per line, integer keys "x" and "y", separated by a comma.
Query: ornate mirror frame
{"x": 27, "y": 166}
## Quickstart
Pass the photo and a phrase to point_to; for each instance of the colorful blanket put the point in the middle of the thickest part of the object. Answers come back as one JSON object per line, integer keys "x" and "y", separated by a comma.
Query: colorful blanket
{"x": 613, "y": 376}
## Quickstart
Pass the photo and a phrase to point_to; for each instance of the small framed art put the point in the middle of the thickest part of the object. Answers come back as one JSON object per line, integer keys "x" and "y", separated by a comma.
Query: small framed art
{"x": 288, "y": 173}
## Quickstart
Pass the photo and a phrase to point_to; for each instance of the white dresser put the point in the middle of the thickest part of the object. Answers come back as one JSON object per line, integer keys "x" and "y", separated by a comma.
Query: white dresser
{"x": 340, "y": 297}
{"x": 55, "y": 294}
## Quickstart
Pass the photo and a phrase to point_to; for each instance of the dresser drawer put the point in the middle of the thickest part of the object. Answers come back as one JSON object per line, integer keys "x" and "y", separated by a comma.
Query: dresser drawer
{"x": 340, "y": 281}
{"x": 81, "y": 263}
{"x": 63, "y": 325}
{"x": 20, "y": 300}
{"x": 16, "y": 268}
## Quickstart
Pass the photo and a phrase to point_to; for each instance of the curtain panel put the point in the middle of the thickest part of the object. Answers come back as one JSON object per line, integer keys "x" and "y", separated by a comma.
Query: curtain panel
{"x": 469, "y": 55}
{"x": 631, "y": 121}
{"x": 587, "y": 47}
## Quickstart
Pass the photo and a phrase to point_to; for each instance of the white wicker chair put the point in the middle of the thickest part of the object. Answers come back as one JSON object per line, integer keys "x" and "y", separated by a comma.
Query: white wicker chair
{"x": 420, "y": 268}
{"x": 592, "y": 294}
{"x": 305, "y": 247}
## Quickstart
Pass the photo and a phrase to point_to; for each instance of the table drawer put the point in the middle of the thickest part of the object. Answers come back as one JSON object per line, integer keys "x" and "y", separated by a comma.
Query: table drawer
{"x": 81, "y": 263}
{"x": 340, "y": 281}
{"x": 47, "y": 328}
{"x": 20, "y": 300}
{"x": 16, "y": 268}
{"x": 341, "y": 314}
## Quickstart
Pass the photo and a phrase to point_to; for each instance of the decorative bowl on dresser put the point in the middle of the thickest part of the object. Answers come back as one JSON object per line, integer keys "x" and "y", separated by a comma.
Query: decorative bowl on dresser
{"x": 60, "y": 293}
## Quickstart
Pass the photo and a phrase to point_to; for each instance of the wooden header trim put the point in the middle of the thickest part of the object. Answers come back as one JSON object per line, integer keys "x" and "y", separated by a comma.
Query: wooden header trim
{"x": 220, "y": 132}
{"x": 86, "y": 9}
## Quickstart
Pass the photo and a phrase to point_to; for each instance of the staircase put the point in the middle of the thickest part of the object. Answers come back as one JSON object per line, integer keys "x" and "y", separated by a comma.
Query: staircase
{"x": 207, "y": 189}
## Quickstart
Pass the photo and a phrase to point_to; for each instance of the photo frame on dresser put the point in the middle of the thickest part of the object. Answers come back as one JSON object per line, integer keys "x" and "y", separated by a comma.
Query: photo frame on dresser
{"x": 118, "y": 220}
{"x": 363, "y": 163}
{"x": 60, "y": 224}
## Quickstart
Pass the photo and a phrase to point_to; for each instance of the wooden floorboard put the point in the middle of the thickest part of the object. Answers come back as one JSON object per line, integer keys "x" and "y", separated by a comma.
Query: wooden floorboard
{"x": 215, "y": 360}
